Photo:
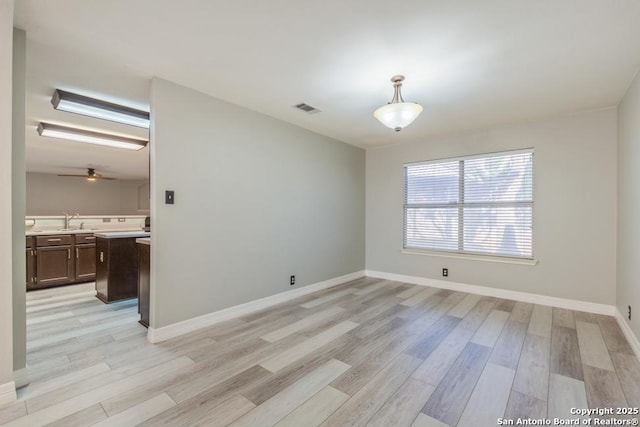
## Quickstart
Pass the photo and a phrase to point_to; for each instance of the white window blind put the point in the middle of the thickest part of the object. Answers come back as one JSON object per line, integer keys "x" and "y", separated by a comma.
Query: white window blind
{"x": 476, "y": 205}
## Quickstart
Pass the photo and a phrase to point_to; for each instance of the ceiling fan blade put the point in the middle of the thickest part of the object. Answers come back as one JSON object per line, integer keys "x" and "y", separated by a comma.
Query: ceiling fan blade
{"x": 91, "y": 175}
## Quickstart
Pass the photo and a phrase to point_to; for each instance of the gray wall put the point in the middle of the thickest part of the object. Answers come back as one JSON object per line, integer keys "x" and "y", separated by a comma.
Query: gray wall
{"x": 257, "y": 200}
{"x": 629, "y": 204}
{"x": 18, "y": 202}
{"x": 49, "y": 194}
{"x": 574, "y": 208}
{"x": 6, "y": 244}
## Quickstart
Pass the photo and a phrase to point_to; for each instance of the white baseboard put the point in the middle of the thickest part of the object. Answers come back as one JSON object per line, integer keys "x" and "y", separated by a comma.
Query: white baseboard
{"x": 628, "y": 333}
{"x": 21, "y": 377}
{"x": 570, "y": 304}
{"x": 190, "y": 325}
{"x": 7, "y": 393}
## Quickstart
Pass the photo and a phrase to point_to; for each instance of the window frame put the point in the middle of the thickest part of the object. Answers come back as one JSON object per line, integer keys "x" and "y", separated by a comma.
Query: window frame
{"x": 460, "y": 205}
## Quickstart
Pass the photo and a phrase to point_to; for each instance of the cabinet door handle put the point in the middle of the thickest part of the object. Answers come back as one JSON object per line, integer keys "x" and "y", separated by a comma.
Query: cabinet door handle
{"x": 90, "y": 238}
{"x": 69, "y": 253}
{"x": 77, "y": 253}
{"x": 53, "y": 240}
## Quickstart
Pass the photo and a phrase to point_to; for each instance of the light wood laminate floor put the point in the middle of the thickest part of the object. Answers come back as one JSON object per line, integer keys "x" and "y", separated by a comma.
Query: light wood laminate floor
{"x": 367, "y": 353}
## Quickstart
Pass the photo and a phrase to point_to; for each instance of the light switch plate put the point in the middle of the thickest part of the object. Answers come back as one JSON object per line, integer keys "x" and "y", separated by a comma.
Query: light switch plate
{"x": 169, "y": 197}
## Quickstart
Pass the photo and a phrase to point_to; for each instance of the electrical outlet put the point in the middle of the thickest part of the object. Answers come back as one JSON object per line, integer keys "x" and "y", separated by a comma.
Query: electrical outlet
{"x": 122, "y": 220}
{"x": 629, "y": 314}
{"x": 292, "y": 280}
{"x": 445, "y": 272}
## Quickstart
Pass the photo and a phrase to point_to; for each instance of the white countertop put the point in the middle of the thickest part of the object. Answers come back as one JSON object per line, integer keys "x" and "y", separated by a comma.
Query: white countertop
{"x": 144, "y": 241}
{"x": 122, "y": 234}
{"x": 79, "y": 231}
{"x": 39, "y": 217}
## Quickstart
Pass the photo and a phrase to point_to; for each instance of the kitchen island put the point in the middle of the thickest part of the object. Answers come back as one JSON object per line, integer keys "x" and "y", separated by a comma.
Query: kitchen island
{"x": 117, "y": 265}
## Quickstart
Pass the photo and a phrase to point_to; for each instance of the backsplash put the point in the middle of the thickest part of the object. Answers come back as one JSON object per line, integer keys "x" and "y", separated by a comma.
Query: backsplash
{"x": 85, "y": 222}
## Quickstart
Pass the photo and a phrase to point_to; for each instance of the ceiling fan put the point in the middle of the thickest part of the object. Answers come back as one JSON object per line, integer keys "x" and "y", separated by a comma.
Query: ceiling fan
{"x": 90, "y": 176}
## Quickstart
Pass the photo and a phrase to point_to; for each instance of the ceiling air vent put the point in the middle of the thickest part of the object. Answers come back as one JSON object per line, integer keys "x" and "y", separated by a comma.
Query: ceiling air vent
{"x": 307, "y": 108}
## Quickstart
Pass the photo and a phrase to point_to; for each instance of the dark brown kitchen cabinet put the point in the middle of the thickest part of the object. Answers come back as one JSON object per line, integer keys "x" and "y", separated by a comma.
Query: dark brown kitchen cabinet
{"x": 60, "y": 259}
{"x": 31, "y": 263}
{"x": 54, "y": 240}
{"x": 85, "y": 257}
{"x": 116, "y": 269}
{"x": 85, "y": 263}
{"x": 144, "y": 282}
{"x": 54, "y": 266}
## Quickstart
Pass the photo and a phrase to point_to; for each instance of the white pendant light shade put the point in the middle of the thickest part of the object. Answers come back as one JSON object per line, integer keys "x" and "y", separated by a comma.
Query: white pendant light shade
{"x": 398, "y": 114}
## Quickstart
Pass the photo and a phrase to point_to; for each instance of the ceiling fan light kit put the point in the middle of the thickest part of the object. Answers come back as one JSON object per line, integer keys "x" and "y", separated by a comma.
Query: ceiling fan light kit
{"x": 91, "y": 175}
{"x": 398, "y": 114}
{"x": 99, "y": 109}
{"x": 91, "y": 137}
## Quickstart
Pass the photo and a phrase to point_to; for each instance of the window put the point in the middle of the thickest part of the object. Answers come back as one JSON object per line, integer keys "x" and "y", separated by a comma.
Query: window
{"x": 473, "y": 205}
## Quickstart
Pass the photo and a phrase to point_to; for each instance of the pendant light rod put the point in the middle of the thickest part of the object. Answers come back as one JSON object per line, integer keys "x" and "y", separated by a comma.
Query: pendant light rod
{"x": 397, "y": 84}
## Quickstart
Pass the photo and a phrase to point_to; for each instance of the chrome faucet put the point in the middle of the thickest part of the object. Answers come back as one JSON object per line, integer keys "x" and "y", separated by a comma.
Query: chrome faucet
{"x": 68, "y": 218}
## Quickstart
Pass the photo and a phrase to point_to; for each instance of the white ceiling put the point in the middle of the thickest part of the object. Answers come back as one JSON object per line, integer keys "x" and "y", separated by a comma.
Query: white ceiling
{"x": 471, "y": 64}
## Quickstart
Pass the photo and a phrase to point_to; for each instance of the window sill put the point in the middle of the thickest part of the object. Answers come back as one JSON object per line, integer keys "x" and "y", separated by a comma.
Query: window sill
{"x": 488, "y": 258}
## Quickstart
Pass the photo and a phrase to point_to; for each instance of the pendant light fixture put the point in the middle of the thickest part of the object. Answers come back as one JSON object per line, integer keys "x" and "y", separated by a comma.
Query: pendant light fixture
{"x": 398, "y": 114}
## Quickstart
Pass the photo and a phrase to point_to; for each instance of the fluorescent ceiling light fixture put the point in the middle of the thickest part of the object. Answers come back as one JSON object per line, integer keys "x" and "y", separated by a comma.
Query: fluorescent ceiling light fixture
{"x": 398, "y": 114}
{"x": 91, "y": 137}
{"x": 80, "y": 104}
